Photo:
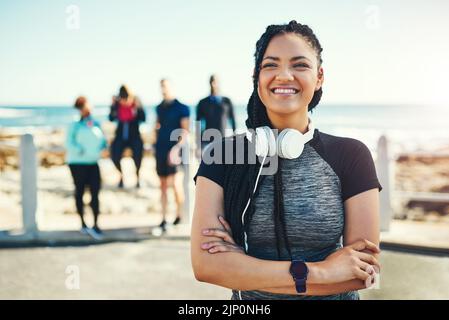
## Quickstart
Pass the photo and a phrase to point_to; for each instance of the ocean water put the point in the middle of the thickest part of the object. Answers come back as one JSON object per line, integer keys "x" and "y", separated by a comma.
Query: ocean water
{"x": 407, "y": 127}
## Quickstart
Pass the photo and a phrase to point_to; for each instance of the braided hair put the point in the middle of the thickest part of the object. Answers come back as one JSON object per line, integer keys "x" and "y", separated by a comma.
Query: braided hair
{"x": 240, "y": 179}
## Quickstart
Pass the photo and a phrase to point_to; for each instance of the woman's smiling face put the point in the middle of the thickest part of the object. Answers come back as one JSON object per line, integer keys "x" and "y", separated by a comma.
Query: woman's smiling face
{"x": 289, "y": 75}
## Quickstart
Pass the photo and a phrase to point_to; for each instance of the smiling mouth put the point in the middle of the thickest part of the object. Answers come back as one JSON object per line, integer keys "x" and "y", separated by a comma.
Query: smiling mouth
{"x": 285, "y": 91}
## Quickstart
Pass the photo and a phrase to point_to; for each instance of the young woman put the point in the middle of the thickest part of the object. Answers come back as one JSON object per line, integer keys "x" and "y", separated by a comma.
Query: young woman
{"x": 128, "y": 111}
{"x": 311, "y": 229}
{"x": 85, "y": 142}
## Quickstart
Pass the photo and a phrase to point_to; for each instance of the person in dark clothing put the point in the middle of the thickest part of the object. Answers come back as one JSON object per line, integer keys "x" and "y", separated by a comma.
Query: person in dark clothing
{"x": 214, "y": 112}
{"x": 85, "y": 142}
{"x": 128, "y": 111}
{"x": 171, "y": 115}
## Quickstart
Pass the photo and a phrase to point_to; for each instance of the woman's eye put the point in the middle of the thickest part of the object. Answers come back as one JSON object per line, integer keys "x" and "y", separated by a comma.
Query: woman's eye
{"x": 268, "y": 65}
{"x": 301, "y": 65}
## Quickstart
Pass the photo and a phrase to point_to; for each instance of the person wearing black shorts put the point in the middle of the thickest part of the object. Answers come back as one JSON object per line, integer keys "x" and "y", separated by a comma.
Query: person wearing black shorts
{"x": 171, "y": 115}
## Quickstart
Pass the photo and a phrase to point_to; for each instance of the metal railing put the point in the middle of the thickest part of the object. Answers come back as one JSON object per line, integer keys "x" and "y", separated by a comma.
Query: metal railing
{"x": 385, "y": 166}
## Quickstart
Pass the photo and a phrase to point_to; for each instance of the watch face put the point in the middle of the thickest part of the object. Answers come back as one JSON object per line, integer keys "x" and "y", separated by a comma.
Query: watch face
{"x": 299, "y": 269}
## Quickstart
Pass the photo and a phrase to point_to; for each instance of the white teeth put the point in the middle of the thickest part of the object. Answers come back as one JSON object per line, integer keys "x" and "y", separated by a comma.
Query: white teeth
{"x": 284, "y": 91}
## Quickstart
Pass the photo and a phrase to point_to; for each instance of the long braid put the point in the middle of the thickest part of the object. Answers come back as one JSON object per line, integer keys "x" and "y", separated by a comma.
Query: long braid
{"x": 240, "y": 179}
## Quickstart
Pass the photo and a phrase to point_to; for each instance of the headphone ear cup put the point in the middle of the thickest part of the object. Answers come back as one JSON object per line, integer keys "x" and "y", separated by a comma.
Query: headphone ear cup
{"x": 261, "y": 142}
{"x": 272, "y": 143}
{"x": 290, "y": 144}
{"x": 279, "y": 143}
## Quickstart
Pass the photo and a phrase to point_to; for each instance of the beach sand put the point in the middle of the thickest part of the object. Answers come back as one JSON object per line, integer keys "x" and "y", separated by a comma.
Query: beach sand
{"x": 138, "y": 207}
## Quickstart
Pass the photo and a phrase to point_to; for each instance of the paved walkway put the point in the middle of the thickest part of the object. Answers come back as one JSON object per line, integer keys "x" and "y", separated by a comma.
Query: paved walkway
{"x": 424, "y": 236}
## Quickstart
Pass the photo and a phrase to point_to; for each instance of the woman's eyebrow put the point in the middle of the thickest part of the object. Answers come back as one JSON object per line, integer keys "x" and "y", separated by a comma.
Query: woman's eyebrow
{"x": 292, "y": 59}
{"x": 299, "y": 58}
{"x": 271, "y": 58}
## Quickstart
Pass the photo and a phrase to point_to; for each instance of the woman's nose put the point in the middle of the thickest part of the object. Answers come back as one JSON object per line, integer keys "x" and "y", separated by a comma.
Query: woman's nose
{"x": 284, "y": 75}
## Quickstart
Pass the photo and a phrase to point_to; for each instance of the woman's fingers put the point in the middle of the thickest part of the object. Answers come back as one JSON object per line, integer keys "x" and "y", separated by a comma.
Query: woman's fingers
{"x": 365, "y": 245}
{"x": 220, "y": 246}
{"x": 360, "y": 274}
{"x": 208, "y": 245}
{"x": 224, "y": 248}
{"x": 219, "y": 233}
{"x": 225, "y": 224}
{"x": 368, "y": 258}
{"x": 369, "y": 282}
{"x": 370, "y": 271}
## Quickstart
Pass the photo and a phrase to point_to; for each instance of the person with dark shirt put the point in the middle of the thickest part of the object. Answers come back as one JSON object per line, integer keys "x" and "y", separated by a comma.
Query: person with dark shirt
{"x": 214, "y": 112}
{"x": 171, "y": 115}
{"x": 127, "y": 110}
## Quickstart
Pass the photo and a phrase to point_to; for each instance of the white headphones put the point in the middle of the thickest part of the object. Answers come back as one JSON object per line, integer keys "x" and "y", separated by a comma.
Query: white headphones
{"x": 288, "y": 145}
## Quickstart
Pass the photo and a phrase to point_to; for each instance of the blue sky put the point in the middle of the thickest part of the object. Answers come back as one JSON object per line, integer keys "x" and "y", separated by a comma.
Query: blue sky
{"x": 375, "y": 52}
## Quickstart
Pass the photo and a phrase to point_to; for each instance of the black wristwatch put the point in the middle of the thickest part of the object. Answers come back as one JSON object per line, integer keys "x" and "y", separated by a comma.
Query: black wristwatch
{"x": 299, "y": 272}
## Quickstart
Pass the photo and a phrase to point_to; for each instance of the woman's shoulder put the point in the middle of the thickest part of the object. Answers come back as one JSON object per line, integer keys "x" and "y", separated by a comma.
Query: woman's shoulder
{"x": 338, "y": 140}
{"x": 341, "y": 152}
{"x": 352, "y": 161}
{"x": 339, "y": 144}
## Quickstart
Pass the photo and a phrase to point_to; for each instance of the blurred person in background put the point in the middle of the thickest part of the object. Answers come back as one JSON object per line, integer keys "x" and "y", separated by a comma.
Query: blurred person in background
{"x": 213, "y": 112}
{"x": 85, "y": 142}
{"x": 171, "y": 115}
{"x": 128, "y": 111}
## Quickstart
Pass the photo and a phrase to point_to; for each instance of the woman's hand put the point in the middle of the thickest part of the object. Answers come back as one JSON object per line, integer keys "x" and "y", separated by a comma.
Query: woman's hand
{"x": 227, "y": 244}
{"x": 351, "y": 263}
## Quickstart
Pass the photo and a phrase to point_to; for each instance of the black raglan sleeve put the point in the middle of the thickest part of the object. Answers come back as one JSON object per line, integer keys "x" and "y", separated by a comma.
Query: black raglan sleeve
{"x": 213, "y": 170}
{"x": 359, "y": 172}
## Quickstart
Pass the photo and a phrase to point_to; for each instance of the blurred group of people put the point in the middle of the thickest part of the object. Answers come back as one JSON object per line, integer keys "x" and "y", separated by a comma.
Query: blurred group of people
{"x": 86, "y": 143}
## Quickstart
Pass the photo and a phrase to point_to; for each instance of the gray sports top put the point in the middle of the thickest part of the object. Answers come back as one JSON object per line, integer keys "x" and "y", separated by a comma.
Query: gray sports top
{"x": 330, "y": 170}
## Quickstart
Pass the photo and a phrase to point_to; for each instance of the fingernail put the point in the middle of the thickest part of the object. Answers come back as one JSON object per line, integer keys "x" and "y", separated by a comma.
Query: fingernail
{"x": 212, "y": 250}
{"x": 205, "y": 231}
{"x": 220, "y": 217}
{"x": 204, "y": 245}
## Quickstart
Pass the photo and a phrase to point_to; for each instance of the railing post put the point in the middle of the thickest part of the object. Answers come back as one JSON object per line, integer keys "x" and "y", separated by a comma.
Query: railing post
{"x": 385, "y": 179}
{"x": 186, "y": 165}
{"x": 28, "y": 177}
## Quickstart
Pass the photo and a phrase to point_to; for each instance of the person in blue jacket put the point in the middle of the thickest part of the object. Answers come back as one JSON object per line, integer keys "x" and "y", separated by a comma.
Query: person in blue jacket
{"x": 85, "y": 142}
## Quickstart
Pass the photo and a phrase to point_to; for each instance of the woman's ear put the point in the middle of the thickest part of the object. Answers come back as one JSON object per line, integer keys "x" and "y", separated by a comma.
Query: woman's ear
{"x": 258, "y": 89}
{"x": 320, "y": 79}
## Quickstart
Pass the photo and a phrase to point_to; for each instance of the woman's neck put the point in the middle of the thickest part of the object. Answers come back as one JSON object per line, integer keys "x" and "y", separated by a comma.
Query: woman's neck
{"x": 298, "y": 121}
